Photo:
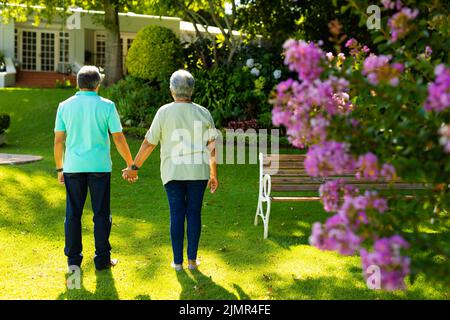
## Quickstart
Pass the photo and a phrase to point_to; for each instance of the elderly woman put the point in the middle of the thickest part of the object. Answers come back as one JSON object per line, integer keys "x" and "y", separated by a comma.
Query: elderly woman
{"x": 187, "y": 135}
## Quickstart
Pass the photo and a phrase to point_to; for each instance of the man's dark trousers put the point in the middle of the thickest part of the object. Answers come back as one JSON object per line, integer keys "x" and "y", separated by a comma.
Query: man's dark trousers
{"x": 77, "y": 185}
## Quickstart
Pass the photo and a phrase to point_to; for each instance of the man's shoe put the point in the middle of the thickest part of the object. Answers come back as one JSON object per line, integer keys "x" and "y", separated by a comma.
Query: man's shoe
{"x": 112, "y": 263}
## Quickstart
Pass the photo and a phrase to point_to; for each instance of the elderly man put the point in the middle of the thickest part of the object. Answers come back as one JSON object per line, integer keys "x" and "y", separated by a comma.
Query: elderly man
{"x": 82, "y": 124}
{"x": 187, "y": 135}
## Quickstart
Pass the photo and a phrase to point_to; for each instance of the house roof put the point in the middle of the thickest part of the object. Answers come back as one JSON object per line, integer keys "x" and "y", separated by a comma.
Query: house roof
{"x": 184, "y": 25}
{"x": 189, "y": 27}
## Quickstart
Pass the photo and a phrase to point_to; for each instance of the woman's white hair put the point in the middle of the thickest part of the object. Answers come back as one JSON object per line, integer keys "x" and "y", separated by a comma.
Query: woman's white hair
{"x": 182, "y": 84}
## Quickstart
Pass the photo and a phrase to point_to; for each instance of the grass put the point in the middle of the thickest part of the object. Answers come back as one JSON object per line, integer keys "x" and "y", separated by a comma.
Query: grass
{"x": 236, "y": 262}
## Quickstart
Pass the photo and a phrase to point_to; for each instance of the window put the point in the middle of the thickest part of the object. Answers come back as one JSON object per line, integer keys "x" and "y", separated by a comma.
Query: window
{"x": 29, "y": 50}
{"x": 47, "y": 51}
{"x": 100, "y": 48}
{"x": 129, "y": 43}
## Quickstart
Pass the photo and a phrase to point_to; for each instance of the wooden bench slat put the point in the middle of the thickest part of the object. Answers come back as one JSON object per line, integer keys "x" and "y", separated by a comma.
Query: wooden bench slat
{"x": 308, "y": 180}
{"x": 277, "y": 157}
{"x": 295, "y": 199}
{"x": 296, "y": 187}
{"x": 315, "y": 187}
{"x": 294, "y": 180}
{"x": 284, "y": 165}
{"x": 286, "y": 172}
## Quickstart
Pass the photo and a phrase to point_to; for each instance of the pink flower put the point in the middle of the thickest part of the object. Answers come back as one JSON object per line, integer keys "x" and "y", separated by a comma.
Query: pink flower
{"x": 328, "y": 158}
{"x": 354, "y": 208}
{"x": 351, "y": 43}
{"x": 330, "y": 56}
{"x": 400, "y": 23}
{"x": 304, "y": 58}
{"x": 335, "y": 236}
{"x": 356, "y": 49}
{"x": 439, "y": 90}
{"x": 367, "y": 166}
{"x": 394, "y": 267}
{"x": 305, "y": 108}
{"x": 332, "y": 191}
{"x": 444, "y": 140}
{"x": 389, "y": 4}
{"x": 378, "y": 69}
{"x": 388, "y": 172}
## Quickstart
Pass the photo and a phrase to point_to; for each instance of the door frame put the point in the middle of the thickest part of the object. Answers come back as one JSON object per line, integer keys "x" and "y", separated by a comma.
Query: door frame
{"x": 38, "y": 46}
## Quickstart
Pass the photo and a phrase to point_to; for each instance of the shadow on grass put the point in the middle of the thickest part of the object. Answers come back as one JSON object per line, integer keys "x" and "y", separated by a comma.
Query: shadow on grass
{"x": 290, "y": 223}
{"x": 333, "y": 288}
{"x": 105, "y": 288}
{"x": 196, "y": 286}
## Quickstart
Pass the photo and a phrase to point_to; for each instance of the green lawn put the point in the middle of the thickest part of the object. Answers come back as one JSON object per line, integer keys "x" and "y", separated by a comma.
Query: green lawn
{"x": 236, "y": 262}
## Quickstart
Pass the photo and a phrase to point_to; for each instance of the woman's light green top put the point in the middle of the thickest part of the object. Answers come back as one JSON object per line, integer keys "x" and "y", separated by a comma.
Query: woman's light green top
{"x": 183, "y": 130}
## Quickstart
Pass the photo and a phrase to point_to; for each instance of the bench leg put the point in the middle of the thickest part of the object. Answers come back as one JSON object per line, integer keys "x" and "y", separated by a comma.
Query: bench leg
{"x": 258, "y": 210}
{"x": 263, "y": 214}
{"x": 266, "y": 220}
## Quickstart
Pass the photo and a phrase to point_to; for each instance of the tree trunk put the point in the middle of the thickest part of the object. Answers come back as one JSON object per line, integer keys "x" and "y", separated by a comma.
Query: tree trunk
{"x": 113, "y": 51}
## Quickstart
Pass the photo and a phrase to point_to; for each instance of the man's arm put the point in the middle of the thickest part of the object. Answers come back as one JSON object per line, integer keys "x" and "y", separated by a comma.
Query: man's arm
{"x": 58, "y": 150}
{"x": 213, "y": 182}
{"x": 122, "y": 147}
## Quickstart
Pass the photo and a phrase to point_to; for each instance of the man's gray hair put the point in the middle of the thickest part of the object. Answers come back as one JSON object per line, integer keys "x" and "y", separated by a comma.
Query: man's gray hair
{"x": 182, "y": 84}
{"x": 88, "y": 77}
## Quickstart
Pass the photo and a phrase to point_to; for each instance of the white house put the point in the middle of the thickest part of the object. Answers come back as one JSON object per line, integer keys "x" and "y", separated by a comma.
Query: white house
{"x": 59, "y": 47}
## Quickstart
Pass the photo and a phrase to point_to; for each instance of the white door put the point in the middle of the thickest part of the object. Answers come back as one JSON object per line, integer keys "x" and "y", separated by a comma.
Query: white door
{"x": 47, "y": 51}
{"x": 38, "y": 50}
{"x": 29, "y": 50}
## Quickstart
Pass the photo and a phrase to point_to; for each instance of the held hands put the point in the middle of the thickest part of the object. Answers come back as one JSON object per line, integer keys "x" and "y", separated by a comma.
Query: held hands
{"x": 213, "y": 184}
{"x": 130, "y": 175}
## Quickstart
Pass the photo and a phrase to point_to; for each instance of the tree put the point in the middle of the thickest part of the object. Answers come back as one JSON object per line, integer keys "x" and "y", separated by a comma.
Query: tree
{"x": 20, "y": 10}
{"x": 277, "y": 21}
{"x": 205, "y": 13}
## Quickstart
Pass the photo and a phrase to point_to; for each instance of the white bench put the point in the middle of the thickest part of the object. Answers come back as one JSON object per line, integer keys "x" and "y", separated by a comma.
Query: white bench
{"x": 8, "y": 78}
{"x": 285, "y": 174}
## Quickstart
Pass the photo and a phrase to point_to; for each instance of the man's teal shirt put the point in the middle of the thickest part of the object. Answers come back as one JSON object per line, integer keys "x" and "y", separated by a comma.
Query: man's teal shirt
{"x": 86, "y": 118}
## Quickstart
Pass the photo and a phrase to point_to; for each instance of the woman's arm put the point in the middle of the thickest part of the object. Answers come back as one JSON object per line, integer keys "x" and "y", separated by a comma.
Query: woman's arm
{"x": 213, "y": 182}
{"x": 145, "y": 151}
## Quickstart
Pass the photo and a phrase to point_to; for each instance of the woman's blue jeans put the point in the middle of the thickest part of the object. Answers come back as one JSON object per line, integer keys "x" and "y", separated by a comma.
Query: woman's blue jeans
{"x": 185, "y": 202}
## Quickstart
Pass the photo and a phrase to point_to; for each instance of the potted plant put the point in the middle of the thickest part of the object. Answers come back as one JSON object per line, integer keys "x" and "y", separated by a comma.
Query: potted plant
{"x": 4, "y": 125}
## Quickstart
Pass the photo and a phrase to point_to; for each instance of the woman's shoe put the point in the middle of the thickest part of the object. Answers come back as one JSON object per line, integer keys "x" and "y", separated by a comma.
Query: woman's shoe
{"x": 193, "y": 264}
{"x": 177, "y": 267}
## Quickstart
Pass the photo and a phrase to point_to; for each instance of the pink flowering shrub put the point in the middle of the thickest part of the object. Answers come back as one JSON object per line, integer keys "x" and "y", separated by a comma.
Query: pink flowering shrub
{"x": 381, "y": 113}
{"x": 401, "y": 23}
{"x": 393, "y": 266}
{"x": 439, "y": 90}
